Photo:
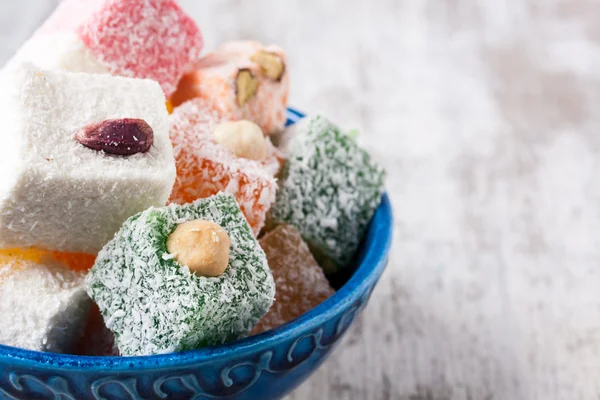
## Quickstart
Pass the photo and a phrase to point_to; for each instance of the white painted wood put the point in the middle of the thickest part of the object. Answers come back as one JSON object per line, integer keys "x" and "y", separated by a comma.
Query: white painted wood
{"x": 485, "y": 114}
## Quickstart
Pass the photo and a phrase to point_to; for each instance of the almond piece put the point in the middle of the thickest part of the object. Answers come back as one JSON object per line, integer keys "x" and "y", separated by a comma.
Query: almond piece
{"x": 123, "y": 137}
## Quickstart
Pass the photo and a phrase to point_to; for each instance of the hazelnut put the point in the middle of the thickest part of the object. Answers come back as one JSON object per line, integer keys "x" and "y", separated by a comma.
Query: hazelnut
{"x": 271, "y": 64}
{"x": 123, "y": 137}
{"x": 244, "y": 138}
{"x": 246, "y": 86}
{"x": 202, "y": 246}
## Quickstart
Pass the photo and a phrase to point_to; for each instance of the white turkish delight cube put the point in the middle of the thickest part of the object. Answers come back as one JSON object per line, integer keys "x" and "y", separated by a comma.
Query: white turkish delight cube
{"x": 43, "y": 305}
{"x": 80, "y": 154}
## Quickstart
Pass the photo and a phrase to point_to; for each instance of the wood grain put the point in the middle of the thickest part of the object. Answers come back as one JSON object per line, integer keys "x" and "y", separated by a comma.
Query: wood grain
{"x": 484, "y": 112}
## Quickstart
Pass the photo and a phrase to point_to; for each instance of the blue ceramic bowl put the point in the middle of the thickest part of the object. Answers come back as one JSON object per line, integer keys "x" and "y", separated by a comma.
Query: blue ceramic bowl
{"x": 266, "y": 366}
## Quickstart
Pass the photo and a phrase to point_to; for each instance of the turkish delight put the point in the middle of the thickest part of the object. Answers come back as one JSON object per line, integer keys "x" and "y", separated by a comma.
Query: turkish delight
{"x": 206, "y": 167}
{"x": 241, "y": 81}
{"x": 182, "y": 277}
{"x": 329, "y": 190}
{"x": 300, "y": 282}
{"x": 85, "y": 152}
{"x": 43, "y": 305}
{"x": 153, "y": 39}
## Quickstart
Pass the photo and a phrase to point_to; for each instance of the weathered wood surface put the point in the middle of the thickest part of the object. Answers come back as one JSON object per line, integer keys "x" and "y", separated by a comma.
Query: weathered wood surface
{"x": 485, "y": 113}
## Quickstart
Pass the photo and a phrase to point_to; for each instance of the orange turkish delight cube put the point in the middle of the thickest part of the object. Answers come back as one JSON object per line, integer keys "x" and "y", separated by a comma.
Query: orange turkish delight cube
{"x": 205, "y": 167}
{"x": 241, "y": 81}
{"x": 300, "y": 282}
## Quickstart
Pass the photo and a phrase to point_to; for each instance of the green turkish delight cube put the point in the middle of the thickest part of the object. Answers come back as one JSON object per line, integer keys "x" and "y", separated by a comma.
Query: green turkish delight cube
{"x": 154, "y": 305}
{"x": 329, "y": 190}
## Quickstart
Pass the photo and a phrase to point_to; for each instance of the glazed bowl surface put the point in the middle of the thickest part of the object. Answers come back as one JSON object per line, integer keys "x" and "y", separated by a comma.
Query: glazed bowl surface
{"x": 266, "y": 366}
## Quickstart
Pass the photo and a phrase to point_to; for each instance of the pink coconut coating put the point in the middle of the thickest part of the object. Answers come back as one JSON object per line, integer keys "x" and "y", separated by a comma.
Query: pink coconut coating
{"x": 153, "y": 39}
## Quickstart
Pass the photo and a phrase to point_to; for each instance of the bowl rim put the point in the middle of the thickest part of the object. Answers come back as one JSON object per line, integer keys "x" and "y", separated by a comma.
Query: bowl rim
{"x": 368, "y": 271}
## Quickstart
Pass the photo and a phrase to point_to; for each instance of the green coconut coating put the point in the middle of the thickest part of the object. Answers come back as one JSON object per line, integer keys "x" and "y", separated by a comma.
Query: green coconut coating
{"x": 329, "y": 190}
{"x": 154, "y": 305}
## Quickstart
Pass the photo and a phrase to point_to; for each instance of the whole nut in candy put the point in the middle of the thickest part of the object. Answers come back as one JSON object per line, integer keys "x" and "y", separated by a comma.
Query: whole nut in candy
{"x": 244, "y": 138}
{"x": 202, "y": 246}
{"x": 271, "y": 64}
{"x": 123, "y": 137}
{"x": 246, "y": 86}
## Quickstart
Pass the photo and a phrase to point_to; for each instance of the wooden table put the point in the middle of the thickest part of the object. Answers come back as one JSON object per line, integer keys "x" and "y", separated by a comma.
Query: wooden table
{"x": 486, "y": 115}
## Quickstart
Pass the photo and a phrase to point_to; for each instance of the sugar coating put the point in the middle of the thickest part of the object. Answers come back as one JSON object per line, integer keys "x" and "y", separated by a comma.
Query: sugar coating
{"x": 214, "y": 81}
{"x": 154, "y": 305}
{"x": 205, "y": 168}
{"x": 275, "y": 159}
{"x": 152, "y": 39}
{"x": 43, "y": 305}
{"x": 329, "y": 190}
{"x": 60, "y": 195}
{"x": 300, "y": 282}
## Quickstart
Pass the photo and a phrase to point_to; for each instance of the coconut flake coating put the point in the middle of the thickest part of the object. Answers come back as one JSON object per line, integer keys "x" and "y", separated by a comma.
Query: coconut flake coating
{"x": 57, "y": 194}
{"x": 214, "y": 81}
{"x": 43, "y": 304}
{"x": 329, "y": 190}
{"x": 153, "y": 39}
{"x": 153, "y": 305}
{"x": 205, "y": 168}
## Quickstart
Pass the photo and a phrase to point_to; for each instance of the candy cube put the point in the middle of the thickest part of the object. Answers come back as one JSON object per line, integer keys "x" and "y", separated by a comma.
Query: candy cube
{"x": 151, "y": 39}
{"x": 82, "y": 153}
{"x": 43, "y": 305}
{"x": 329, "y": 190}
{"x": 205, "y": 167}
{"x": 241, "y": 80}
{"x": 300, "y": 282}
{"x": 155, "y": 302}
